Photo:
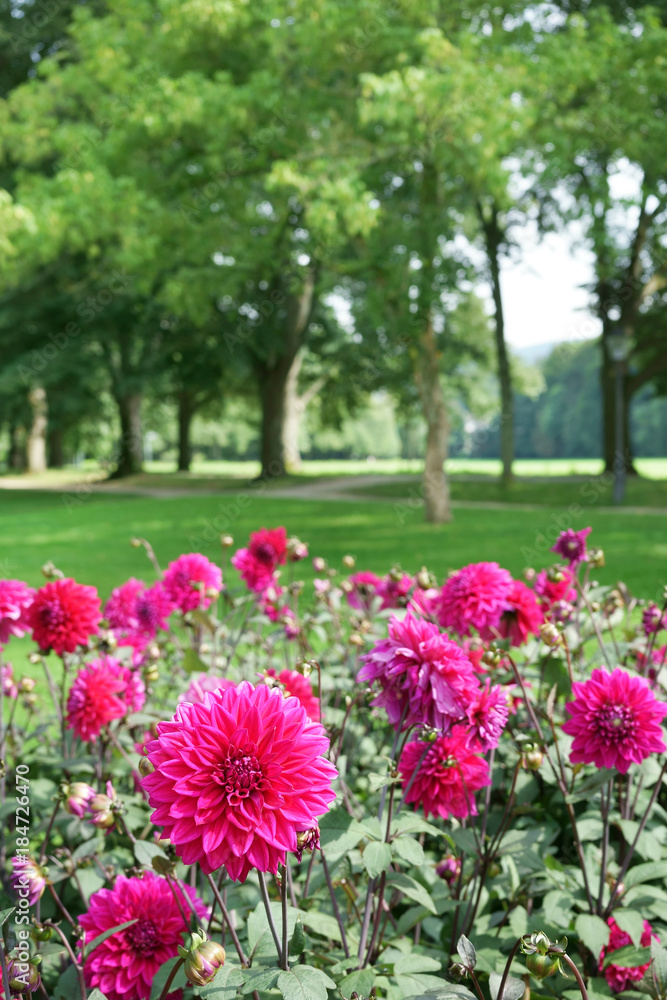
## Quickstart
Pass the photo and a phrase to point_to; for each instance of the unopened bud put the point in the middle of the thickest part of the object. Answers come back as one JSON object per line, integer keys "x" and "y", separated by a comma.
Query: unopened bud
{"x": 135, "y": 543}
{"x": 596, "y": 558}
{"x": 346, "y": 586}
{"x": 296, "y": 550}
{"x": 51, "y": 572}
{"x": 529, "y": 574}
{"x": 349, "y": 562}
{"x": 202, "y": 960}
{"x": 77, "y": 797}
{"x": 531, "y": 758}
{"x": 425, "y": 579}
{"x": 356, "y": 639}
{"x": 226, "y": 541}
{"x": 23, "y": 976}
{"x": 26, "y": 685}
{"x": 319, "y": 564}
{"x": 550, "y": 635}
{"x": 145, "y": 766}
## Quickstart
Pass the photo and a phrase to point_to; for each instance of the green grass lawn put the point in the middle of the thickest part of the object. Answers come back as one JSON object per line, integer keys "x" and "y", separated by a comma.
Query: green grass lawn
{"x": 640, "y": 492}
{"x": 91, "y": 541}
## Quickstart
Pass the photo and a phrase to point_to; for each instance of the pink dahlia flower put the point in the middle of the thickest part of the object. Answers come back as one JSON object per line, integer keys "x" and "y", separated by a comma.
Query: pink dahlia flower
{"x": 123, "y": 966}
{"x": 442, "y": 777}
{"x": 102, "y": 691}
{"x": 191, "y": 581}
{"x": 299, "y": 687}
{"x": 135, "y": 612}
{"x": 9, "y": 685}
{"x": 364, "y": 589}
{"x": 15, "y": 599}
{"x": 120, "y": 609}
{"x": 64, "y": 615}
{"x": 554, "y": 585}
{"x": 268, "y": 601}
{"x": 618, "y": 977}
{"x": 238, "y": 777}
{"x": 28, "y": 879}
{"x": 571, "y": 545}
{"x": 257, "y": 564}
{"x": 200, "y": 685}
{"x": 488, "y": 715}
{"x": 652, "y": 619}
{"x": 522, "y": 615}
{"x": 394, "y": 593}
{"x": 425, "y": 602}
{"x": 475, "y": 598}
{"x": 616, "y": 720}
{"x": 425, "y": 678}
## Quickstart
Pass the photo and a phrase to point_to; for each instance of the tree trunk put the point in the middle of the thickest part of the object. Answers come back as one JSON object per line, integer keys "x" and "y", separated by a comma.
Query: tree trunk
{"x": 16, "y": 458}
{"x": 36, "y": 446}
{"x": 56, "y": 450}
{"x": 493, "y": 238}
{"x": 131, "y": 448}
{"x": 186, "y": 411}
{"x": 427, "y": 375}
{"x": 608, "y": 386}
{"x": 292, "y": 417}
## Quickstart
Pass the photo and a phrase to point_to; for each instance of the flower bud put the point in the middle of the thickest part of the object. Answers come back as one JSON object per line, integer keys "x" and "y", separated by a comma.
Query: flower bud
{"x": 532, "y": 758}
{"x": 596, "y": 558}
{"x": 346, "y": 586}
{"x": 23, "y": 976}
{"x": 41, "y": 932}
{"x": 349, "y": 562}
{"x": 307, "y": 840}
{"x": 202, "y": 960}
{"x": 542, "y": 966}
{"x": 319, "y": 564}
{"x": 652, "y": 619}
{"x": 529, "y": 574}
{"x": 135, "y": 543}
{"x": 550, "y": 635}
{"x": 77, "y": 797}
{"x": 30, "y": 701}
{"x": 226, "y": 541}
{"x": 26, "y": 685}
{"x": 492, "y": 657}
{"x": 145, "y": 766}
{"x": 449, "y": 868}
{"x": 51, "y": 572}
{"x": 356, "y": 639}
{"x": 296, "y": 550}
{"x": 151, "y": 673}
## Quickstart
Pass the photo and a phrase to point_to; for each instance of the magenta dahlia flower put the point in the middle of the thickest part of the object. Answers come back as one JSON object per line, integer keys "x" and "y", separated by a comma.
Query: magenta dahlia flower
{"x": 64, "y": 615}
{"x": 394, "y": 593}
{"x": 442, "y": 777}
{"x": 136, "y": 612}
{"x": 571, "y": 545}
{"x": 269, "y": 598}
{"x": 123, "y": 966}
{"x": 120, "y": 609}
{"x": 620, "y": 978}
{"x": 238, "y": 777}
{"x": 192, "y": 581}
{"x": 522, "y": 615}
{"x": 299, "y": 687}
{"x": 425, "y": 678}
{"x": 28, "y": 878}
{"x": 488, "y": 715}
{"x": 364, "y": 589}
{"x": 102, "y": 691}
{"x": 257, "y": 564}
{"x": 652, "y": 619}
{"x": 475, "y": 598}
{"x": 554, "y": 585}
{"x": 425, "y": 603}
{"x": 15, "y": 599}
{"x": 616, "y": 720}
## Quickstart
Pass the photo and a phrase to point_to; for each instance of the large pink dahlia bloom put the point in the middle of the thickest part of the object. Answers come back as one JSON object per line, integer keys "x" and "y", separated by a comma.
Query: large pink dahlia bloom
{"x": 191, "y": 580}
{"x": 135, "y": 612}
{"x": 442, "y": 778}
{"x": 475, "y": 598}
{"x": 488, "y": 715}
{"x": 124, "y": 965}
{"x": 616, "y": 720}
{"x": 620, "y": 977}
{"x": 238, "y": 777}
{"x": 102, "y": 691}
{"x": 64, "y": 615}
{"x": 425, "y": 678}
{"x": 364, "y": 589}
{"x": 522, "y": 615}
{"x": 15, "y": 599}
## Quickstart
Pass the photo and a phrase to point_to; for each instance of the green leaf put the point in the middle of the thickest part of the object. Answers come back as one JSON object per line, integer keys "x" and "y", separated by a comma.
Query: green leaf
{"x": 339, "y": 833}
{"x": 448, "y": 991}
{"x": 512, "y": 990}
{"x": 645, "y": 873}
{"x": 6, "y": 914}
{"x": 628, "y": 957}
{"x": 376, "y": 858}
{"x": 360, "y": 982}
{"x": 192, "y": 663}
{"x": 632, "y": 923}
{"x": 303, "y": 982}
{"x": 658, "y": 969}
{"x": 145, "y": 851}
{"x": 225, "y": 985}
{"x": 408, "y": 850}
{"x": 322, "y": 924}
{"x": 163, "y": 973}
{"x": 102, "y": 937}
{"x": 298, "y": 940}
{"x": 96, "y": 995}
{"x": 587, "y": 788}
{"x": 417, "y": 963}
{"x": 412, "y": 823}
{"x": 413, "y": 889}
{"x": 466, "y": 952}
{"x": 259, "y": 979}
{"x": 68, "y": 985}
{"x": 593, "y": 931}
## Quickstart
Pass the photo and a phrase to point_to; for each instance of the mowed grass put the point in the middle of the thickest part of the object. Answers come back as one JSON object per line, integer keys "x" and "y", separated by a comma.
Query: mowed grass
{"x": 91, "y": 541}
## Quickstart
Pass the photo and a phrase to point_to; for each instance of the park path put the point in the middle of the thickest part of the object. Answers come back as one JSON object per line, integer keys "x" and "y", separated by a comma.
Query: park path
{"x": 342, "y": 489}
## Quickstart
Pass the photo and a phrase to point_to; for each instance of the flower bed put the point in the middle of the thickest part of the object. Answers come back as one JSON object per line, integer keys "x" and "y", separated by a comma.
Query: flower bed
{"x": 377, "y": 786}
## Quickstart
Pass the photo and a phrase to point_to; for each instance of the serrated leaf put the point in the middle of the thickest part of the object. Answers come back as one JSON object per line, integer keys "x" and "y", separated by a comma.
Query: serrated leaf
{"x": 96, "y": 995}
{"x": 448, "y": 991}
{"x": 466, "y": 952}
{"x": 408, "y": 850}
{"x": 102, "y": 937}
{"x": 68, "y": 985}
{"x": 360, "y": 982}
{"x": 303, "y": 982}
{"x": 224, "y": 986}
{"x": 145, "y": 851}
{"x": 632, "y": 923}
{"x": 658, "y": 969}
{"x": 376, "y": 858}
{"x": 645, "y": 873}
{"x": 512, "y": 990}
{"x": 627, "y": 957}
{"x": 593, "y": 931}
{"x": 412, "y": 823}
{"x": 339, "y": 833}
{"x": 412, "y": 889}
{"x": 259, "y": 979}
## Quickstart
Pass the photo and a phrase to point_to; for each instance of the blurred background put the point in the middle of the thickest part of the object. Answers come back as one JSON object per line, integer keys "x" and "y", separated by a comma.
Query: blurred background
{"x": 336, "y": 248}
